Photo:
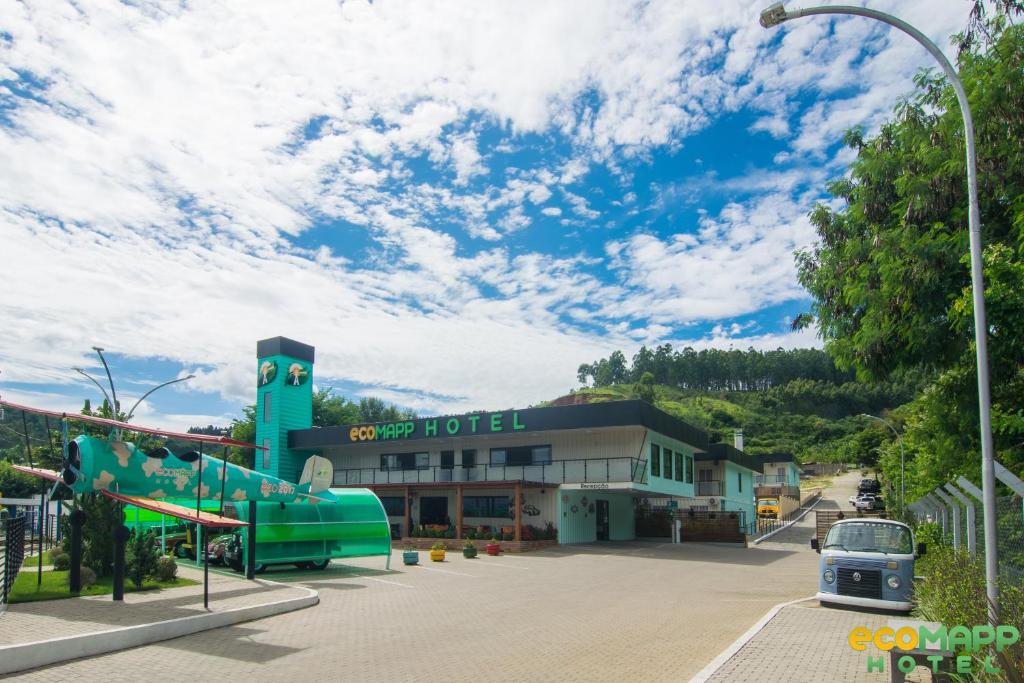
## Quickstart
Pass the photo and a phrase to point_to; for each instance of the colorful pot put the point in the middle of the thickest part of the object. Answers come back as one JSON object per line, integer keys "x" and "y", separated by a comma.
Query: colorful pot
{"x": 437, "y": 555}
{"x": 410, "y": 557}
{"x": 493, "y": 548}
{"x": 469, "y": 553}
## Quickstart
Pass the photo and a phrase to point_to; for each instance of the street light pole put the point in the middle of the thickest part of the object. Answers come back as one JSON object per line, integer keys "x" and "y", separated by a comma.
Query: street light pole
{"x": 131, "y": 412}
{"x": 775, "y": 15}
{"x": 899, "y": 440}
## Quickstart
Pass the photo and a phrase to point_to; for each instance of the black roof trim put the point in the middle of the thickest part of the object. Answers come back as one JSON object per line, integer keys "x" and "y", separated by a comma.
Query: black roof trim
{"x": 581, "y": 416}
{"x": 777, "y": 457}
{"x": 723, "y": 451}
{"x": 283, "y": 346}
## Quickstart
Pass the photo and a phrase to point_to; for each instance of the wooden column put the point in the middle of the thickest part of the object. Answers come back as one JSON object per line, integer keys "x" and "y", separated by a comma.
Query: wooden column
{"x": 519, "y": 512}
{"x": 458, "y": 511}
{"x": 408, "y": 514}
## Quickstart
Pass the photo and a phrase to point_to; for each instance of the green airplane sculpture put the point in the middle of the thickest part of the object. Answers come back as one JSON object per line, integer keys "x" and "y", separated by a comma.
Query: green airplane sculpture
{"x": 92, "y": 464}
{"x": 118, "y": 466}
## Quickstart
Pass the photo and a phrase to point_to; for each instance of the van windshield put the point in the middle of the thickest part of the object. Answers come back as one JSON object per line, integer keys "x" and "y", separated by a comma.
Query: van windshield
{"x": 870, "y": 537}
{"x": 767, "y": 502}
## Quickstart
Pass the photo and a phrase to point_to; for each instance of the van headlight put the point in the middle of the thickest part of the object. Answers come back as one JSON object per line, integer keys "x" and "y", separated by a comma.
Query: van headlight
{"x": 893, "y": 581}
{"x": 829, "y": 576}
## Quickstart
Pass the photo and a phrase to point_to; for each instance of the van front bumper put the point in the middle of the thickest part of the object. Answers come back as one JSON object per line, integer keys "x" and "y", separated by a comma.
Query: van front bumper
{"x": 872, "y": 603}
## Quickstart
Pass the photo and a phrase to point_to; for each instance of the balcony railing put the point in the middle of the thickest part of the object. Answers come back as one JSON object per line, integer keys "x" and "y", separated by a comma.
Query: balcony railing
{"x": 708, "y": 488}
{"x": 770, "y": 479}
{"x": 555, "y": 472}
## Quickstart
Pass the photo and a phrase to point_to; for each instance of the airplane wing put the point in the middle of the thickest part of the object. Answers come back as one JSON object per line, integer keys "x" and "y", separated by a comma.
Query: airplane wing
{"x": 38, "y": 472}
{"x": 163, "y": 507}
{"x": 104, "y": 422}
{"x": 174, "y": 510}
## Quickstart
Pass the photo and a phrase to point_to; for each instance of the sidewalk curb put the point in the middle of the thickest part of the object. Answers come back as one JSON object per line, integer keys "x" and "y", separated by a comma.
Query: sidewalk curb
{"x": 22, "y": 656}
{"x": 791, "y": 523}
{"x": 737, "y": 645}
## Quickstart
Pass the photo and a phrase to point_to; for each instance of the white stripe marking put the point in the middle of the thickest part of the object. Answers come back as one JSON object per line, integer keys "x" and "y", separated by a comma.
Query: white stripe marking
{"x": 446, "y": 571}
{"x": 391, "y": 583}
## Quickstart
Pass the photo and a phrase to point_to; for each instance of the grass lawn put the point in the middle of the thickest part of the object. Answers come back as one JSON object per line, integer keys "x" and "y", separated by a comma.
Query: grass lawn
{"x": 55, "y": 586}
{"x": 34, "y": 561}
{"x": 816, "y": 483}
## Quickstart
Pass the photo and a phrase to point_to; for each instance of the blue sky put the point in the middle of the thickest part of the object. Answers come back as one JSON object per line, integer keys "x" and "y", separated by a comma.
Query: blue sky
{"x": 456, "y": 204}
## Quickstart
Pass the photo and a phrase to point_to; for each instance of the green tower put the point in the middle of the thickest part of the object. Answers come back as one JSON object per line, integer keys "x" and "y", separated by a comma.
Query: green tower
{"x": 284, "y": 401}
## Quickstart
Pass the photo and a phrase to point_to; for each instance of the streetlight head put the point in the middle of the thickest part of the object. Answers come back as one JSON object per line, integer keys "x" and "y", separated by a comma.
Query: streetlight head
{"x": 773, "y": 15}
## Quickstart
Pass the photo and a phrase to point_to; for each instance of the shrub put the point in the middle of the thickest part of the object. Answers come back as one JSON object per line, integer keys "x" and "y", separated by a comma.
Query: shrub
{"x": 87, "y": 576}
{"x": 439, "y": 546}
{"x": 550, "y": 533}
{"x": 468, "y": 544}
{"x": 166, "y": 568}
{"x": 61, "y": 561}
{"x": 141, "y": 556}
{"x": 506, "y": 537}
{"x": 953, "y": 593}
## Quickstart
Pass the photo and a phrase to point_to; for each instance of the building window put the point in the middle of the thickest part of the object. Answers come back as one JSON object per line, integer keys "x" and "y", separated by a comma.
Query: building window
{"x": 655, "y": 460}
{"x": 486, "y": 506}
{"x": 404, "y": 461}
{"x": 689, "y": 469}
{"x": 469, "y": 457}
{"x": 739, "y": 482}
{"x": 679, "y": 467}
{"x": 266, "y": 407}
{"x": 666, "y": 461}
{"x": 266, "y": 454}
{"x": 447, "y": 460}
{"x": 394, "y": 506}
{"x": 520, "y": 456}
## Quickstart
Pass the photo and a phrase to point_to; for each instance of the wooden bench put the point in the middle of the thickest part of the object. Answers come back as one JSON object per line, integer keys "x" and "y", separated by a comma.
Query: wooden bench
{"x": 920, "y": 653}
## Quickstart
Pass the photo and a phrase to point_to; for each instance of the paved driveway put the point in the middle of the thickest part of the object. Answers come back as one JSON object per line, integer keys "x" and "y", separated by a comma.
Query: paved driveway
{"x": 614, "y": 611}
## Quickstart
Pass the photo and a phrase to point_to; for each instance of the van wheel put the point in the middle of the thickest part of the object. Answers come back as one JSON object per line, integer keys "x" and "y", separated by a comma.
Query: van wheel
{"x": 259, "y": 568}
{"x": 304, "y": 565}
{"x": 320, "y": 564}
{"x": 180, "y": 551}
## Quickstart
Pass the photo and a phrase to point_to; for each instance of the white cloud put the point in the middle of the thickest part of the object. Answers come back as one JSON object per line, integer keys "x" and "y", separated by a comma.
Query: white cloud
{"x": 149, "y": 190}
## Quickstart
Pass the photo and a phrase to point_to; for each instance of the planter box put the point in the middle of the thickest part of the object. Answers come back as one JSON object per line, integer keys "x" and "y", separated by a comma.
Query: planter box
{"x": 469, "y": 553}
{"x": 410, "y": 557}
{"x": 506, "y": 546}
{"x": 437, "y": 555}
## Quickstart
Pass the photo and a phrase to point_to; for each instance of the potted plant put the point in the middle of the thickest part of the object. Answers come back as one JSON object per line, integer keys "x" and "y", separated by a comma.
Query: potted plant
{"x": 493, "y": 548}
{"x": 469, "y": 549}
{"x": 437, "y": 552}
{"x": 410, "y": 555}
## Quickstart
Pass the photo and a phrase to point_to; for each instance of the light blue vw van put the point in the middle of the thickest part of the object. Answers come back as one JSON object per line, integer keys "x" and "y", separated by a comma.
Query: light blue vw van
{"x": 867, "y": 562}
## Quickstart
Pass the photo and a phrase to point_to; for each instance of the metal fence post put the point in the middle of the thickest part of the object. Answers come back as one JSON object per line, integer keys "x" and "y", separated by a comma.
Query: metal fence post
{"x": 954, "y": 512}
{"x": 940, "y": 510}
{"x": 972, "y": 531}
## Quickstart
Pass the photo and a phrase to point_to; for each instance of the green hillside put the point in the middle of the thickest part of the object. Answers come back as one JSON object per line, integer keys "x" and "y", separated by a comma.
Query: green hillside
{"x": 815, "y": 420}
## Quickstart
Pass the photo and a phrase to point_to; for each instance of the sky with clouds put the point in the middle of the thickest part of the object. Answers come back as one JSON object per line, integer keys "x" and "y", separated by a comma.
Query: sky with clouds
{"x": 455, "y": 203}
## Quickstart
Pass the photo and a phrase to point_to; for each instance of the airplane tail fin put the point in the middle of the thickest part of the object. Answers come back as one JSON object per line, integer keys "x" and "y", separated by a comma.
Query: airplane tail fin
{"x": 317, "y": 473}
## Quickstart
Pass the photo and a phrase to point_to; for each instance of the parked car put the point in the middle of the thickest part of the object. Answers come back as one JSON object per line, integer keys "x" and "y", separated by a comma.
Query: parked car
{"x": 768, "y": 508}
{"x": 867, "y": 563}
{"x": 869, "y": 486}
{"x": 865, "y": 502}
{"x": 216, "y": 547}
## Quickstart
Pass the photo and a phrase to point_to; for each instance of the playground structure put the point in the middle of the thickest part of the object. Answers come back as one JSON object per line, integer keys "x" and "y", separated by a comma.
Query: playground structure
{"x": 352, "y": 523}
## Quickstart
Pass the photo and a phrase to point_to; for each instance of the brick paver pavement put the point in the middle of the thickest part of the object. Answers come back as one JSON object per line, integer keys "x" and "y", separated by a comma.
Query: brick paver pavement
{"x": 806, "y": 644}
{"x": 610, "y": 611}
{"x": 33, "y": 621}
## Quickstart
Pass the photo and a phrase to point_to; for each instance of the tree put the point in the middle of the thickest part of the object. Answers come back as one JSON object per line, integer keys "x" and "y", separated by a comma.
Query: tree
{"x": 141, "y": 556}
{"x": 644, "y": 388}
{"x": 890, "y": 274}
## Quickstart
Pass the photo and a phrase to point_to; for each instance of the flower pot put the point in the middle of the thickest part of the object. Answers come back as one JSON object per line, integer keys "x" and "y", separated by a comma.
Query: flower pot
{"x": 410, "y": 557}
{"x": 469, "y": 553}
{"x": 493, "y": 548}
{"x": 437, "y": 555}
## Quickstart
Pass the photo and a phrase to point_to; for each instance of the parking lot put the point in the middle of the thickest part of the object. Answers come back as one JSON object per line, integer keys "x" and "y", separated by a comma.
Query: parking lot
{"x": 600, "y": 612}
